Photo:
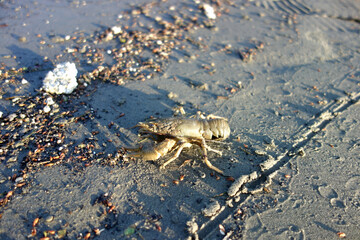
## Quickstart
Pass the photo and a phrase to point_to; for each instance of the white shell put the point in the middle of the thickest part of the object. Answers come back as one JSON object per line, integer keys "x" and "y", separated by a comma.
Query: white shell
{"x": 62, "y": 79}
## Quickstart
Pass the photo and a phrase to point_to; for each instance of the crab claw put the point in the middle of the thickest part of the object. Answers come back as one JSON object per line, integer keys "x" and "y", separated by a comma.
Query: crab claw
{"x": 153, "y": 153}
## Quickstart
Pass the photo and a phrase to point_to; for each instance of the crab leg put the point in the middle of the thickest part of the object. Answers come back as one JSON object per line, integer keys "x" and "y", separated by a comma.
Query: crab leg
{"x": 177, "y": 153}
{"x": 213, "y": 150}
{"x": 204, "y": 147}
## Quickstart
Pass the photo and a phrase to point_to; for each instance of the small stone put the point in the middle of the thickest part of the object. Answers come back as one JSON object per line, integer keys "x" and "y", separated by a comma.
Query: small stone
{"x": 262, "y": 14}
{"x": 49, "y": 218}
{"x": 11, "y": 159}
{"x": 62, "y": 79}
{"x": 57, "y": 39}
{"x": 116, "y": 29}
{"x": 204, "y": 87}
{"x": 61, "y": 233}
{"x": 301, "y": 152}
{"x": 202, "y": 174}
{"x": 229, "y": 203}
{"x": 12, "y": 116}
{"x": 22, "y": 39}
{"x": 19, "y": 179}
{"x": 172, "y": 95}
{"x": 49, "y": 101}
{"x": 47, "y": 109}
{"x": 260, "y": 152}
{"x": 209, "y": 11}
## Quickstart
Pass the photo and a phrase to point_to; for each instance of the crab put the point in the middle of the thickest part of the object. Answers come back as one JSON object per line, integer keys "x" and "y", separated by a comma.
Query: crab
{"x": 172, "y": 135}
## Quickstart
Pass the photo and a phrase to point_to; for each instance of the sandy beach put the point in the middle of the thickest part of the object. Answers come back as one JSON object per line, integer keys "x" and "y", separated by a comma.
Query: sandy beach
{"x": 285, "y": 74}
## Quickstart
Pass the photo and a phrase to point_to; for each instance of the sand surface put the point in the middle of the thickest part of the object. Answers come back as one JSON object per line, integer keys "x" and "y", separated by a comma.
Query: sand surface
{"x": 291, "y": 163}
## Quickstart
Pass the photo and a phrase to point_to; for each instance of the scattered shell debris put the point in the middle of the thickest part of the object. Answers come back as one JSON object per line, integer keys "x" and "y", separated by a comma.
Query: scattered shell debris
{"x": 130, "y": 64}
{"x": 138, "y": 52}
{"x": 62, "y": 79}
{"x": 248, "y": 54}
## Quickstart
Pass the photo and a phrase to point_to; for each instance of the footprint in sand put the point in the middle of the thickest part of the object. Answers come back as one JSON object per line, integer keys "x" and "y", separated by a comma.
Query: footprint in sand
{"x": 353, "y": 185}
{"x": 353, "y": 191}
{"x": 327, "y": 192}
{"x": 331, "y": 194}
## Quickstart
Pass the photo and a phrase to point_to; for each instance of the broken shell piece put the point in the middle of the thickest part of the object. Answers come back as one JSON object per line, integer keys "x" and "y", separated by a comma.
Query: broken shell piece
{"x": 24, "y": 81}
{"x": 222, "y": 230}
{"x": 260, "y": 152}
{"x": 172, "y": 95}
{"x": 341, "y": 235}
{"x": 209, "y": 11}
{"x": 62, "y": 79}
{"x": 116, "y": 29}
{"x": 50, "y": 101}
{"x": 35, "y": 222}
{"x": 47, "y": 109}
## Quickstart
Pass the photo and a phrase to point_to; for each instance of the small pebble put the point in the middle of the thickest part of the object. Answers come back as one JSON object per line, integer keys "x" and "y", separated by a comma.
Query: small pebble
{"x": 22, "y": 39}
{"x": 116, "y": 29}
{"x": 11, "y": 159}
{"x": 260, "y": 152}
{"x": 47, "y": 109}
{"x": 19, "y": 179}
{"x": 49, "y": 101}
{"x": 209, "y": 11}
{"x": 202, "y": 174}
{"x": 12, "y": 116}
{"x": 49, "y": 218}
{"x": 301, "y": 152}
{"x": 172, "y": 95}
{"x": 237, "y": 198}
{"x": 204, "y": 87}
